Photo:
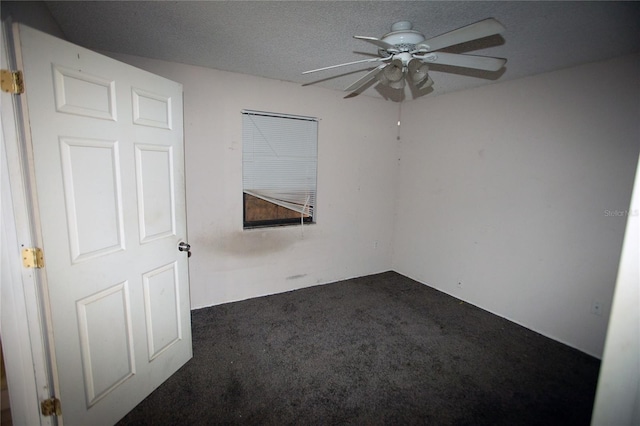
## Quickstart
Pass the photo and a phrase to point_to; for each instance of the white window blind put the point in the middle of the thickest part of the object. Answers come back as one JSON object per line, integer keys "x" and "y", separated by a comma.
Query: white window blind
{"x": 279, "y": 159}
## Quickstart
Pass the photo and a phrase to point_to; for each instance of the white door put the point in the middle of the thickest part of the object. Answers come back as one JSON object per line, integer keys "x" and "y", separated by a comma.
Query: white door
{"x": 107, "y": 156}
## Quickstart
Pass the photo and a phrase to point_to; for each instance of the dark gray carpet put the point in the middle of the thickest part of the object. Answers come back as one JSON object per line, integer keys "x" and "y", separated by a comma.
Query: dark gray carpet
{"x": 381, "y": 349}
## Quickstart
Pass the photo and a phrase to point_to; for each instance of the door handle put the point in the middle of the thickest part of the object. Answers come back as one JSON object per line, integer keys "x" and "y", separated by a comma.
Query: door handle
{"x": 182, "y": 246}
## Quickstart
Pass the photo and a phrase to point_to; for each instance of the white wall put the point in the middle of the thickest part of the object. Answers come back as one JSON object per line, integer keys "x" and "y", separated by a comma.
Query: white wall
{"x": 618, "y": 396}
{"x": 514, "y": 189}
{"x": 357, "y": 165}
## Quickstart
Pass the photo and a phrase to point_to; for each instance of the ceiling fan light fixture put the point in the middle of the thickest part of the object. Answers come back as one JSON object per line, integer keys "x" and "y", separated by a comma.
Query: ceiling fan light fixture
{"x": 397, "y": 84}
{"x": 382, "y": 78}
{"x": 418, "y": 70}
{"x": 394, "y": 72}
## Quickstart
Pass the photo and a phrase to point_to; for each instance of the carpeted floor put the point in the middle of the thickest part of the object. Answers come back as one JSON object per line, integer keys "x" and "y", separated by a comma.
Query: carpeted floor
{"x": 381, "y": 349}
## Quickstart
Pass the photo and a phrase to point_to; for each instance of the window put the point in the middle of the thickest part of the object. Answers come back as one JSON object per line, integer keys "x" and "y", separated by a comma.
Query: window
{"x": 279, "y": 164}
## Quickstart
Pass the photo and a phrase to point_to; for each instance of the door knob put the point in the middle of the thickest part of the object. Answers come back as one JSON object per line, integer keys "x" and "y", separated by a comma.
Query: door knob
{"x": 182, "y": 246}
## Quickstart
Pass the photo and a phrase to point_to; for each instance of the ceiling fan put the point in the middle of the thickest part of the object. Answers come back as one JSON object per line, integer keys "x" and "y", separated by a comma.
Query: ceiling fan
{"x": 406, "y": 54}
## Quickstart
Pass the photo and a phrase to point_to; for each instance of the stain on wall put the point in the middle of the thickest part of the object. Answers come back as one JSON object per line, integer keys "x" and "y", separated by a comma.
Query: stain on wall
{"x": 253, "y": 243}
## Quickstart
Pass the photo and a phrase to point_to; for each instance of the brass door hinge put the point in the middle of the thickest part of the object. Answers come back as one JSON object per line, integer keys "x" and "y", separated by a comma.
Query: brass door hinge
{"x": 51, "y": 407}
{"x": 32, "y": 258}
{"x": 11, "y": 82}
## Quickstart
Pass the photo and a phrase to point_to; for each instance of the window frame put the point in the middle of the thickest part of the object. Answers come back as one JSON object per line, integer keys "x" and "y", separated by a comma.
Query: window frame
{"x": 312, "y": 142}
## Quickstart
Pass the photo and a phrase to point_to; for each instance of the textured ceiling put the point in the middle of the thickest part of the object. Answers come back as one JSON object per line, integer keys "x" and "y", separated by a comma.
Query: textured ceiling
{"x": 280, "y": 39}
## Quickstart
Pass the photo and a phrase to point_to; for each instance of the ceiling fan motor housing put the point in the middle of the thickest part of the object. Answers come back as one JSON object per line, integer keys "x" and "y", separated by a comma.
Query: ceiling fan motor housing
{"x": 403, "y": 37}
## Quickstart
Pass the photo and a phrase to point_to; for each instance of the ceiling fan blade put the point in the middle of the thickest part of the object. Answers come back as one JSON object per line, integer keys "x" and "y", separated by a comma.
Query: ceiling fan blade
{"x": 484, "y": 28}
{"x": 347, "y": 63}
{"x": 486, "y": 63}
{"x": 365, "y": 79}
{"x": 382, "y": 44}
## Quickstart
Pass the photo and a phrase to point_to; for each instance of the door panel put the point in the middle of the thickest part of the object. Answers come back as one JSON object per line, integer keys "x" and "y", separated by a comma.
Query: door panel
{"x": 93, "y": 194}
{"x": 104, "y": 325}
{"x": 107, "y": 154}
{"x": 151, "y": 109}
{"x": 156, "y": 197}
{"x": 162, "y": 307}
{"x": 83, "y": 94}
